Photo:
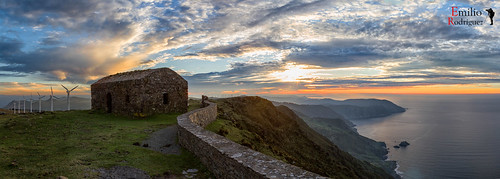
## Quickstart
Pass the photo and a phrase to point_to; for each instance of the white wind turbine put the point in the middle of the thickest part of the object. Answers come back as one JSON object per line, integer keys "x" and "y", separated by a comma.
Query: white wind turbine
{"x": 24, "y": 104}
{"x": 31, "y": 103}
{"x": 40, "y": 102}
{"x": 69, "y": 91}
{"x": 19, "y": 108}
{"x": 14, "y": 108}
{"x": 52, "y": 99}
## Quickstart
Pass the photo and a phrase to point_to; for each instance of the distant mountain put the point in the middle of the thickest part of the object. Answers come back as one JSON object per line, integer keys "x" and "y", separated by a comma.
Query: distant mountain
{"x": 340, "y": 131}
{"x": 314, "y": 111}
{"x": 311, "y": 110}
{"x": 77, "y": 103}
{"x": 351, "y": 108}
{"x": 277, "y": 131}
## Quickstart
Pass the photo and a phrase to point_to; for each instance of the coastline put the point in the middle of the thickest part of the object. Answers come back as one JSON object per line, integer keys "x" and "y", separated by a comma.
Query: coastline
{"x": 397, "y": 171}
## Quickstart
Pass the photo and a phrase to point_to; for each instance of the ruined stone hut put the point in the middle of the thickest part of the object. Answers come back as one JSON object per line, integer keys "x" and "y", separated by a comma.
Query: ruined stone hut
{"x": 142, "y": 92}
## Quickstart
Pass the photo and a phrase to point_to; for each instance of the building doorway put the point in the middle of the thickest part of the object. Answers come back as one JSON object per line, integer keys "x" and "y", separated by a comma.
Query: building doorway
{"x": 165, "y": 98}
{"x": 109, "y": 103}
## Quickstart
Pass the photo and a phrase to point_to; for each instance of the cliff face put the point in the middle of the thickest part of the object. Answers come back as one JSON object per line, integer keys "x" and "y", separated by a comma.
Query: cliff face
{"x": 340, "y": 131}
{"x": 277, "y": 131}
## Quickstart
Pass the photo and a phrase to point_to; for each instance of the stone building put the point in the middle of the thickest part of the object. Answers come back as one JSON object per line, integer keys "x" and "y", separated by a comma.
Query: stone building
{"x": 142, "y": 92}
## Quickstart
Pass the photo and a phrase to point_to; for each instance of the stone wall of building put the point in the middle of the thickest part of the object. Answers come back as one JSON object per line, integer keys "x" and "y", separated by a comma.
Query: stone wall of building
{"x": 225, "y": 158}
{"x": 143, "y": 92}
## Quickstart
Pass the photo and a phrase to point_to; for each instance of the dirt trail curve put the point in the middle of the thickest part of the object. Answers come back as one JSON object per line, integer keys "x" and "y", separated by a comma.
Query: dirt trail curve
{"x": 163, "y": 140}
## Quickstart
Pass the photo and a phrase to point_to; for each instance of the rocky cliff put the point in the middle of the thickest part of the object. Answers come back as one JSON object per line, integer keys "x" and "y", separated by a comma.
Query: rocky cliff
{"x": 277, "y": 131}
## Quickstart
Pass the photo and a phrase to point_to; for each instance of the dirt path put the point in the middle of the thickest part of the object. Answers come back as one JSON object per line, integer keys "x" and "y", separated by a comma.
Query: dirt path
{"x": 163, "y": 140}
{"x": 122, "y": 172}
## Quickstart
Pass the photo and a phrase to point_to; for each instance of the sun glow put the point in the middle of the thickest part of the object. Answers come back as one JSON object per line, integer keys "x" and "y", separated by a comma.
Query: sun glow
{"x": 420, "y": 89}
{"x": 296, "y": 73}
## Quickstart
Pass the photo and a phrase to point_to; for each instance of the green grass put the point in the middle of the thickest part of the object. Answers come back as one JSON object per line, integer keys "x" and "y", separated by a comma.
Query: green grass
{"x": 194, "y": 104}
{"x": 244, "y": 137}
{"x": 74, "y": 143}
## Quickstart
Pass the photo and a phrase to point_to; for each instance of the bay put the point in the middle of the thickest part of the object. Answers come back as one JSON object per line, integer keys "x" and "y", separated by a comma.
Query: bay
{"x": 450, "y": 136}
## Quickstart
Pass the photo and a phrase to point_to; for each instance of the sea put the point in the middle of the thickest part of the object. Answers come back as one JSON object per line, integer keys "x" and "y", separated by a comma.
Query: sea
{"x": 450, "y": 136}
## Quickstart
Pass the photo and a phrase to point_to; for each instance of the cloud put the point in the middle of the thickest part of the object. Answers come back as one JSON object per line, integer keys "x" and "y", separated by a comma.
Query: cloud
{"x": 238, "y": 74}
{"x": 54, "y": 38}
{"x": 289, "y": 9}
{"x": 76, "y": 63}
{"x": 9, "y": 47}
{"x": 409, "y": 43}
{"x": 105, "y": 30}
{"x": 15, "y": 88}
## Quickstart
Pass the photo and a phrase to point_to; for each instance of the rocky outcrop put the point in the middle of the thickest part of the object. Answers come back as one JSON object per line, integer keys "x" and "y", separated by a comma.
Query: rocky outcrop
{"x": 225, "y": 158}
{"x": 404, "y": 144}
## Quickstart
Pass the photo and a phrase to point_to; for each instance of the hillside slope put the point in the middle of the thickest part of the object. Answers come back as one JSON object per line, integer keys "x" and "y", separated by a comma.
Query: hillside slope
{"x": 333, "y": 126}
{"x": 255, "y": 122}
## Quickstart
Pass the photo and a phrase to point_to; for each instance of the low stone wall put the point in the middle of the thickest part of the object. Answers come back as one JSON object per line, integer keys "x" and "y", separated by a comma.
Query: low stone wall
{"x": 225, "y": 158}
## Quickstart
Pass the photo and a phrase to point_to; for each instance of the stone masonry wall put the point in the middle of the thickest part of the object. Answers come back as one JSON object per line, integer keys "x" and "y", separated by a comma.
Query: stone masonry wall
{"x": 225, "y": 158}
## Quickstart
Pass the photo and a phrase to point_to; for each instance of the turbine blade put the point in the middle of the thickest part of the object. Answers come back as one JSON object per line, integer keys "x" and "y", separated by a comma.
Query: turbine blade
{"x": 64, "y": 87}
{"x": 74, "y": 88}
{"x": 38, "y": 94}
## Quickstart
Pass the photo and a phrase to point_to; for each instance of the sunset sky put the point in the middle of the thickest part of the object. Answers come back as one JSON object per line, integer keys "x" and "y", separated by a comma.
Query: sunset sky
{"x": 297, "y": 47}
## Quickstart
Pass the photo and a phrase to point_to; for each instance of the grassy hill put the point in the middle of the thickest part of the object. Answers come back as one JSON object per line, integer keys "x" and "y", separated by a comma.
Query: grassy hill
{"x": 341, "y": 132}
{"x": 276, "y": 131}
{"x": 76, "y": 143}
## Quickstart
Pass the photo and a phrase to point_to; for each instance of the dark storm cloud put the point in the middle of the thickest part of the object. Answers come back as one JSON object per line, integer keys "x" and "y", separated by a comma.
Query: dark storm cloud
{"x": 106, "y": 21}
{"x": 71, "y": 8}
{"x": 45, "y": 12}
{"x": 238, "y": 49}
{"x": 50, "y": 41}
{"x": 238, "y": 73}
{"x": 352, "y": 52}
{"x": 291, "y": 8}
{"x": 232, "y": 28}
{"x": 9, "y": 47}
{"x": 326, "y": 56}
{"x": 77, "y": 15}
{"x": 406, "y": 27}
{"x": 478, "y": 61}
{"x": 53, "y": 38}
{"x": 12, "y": 75}
{"x": 48, "y": 60}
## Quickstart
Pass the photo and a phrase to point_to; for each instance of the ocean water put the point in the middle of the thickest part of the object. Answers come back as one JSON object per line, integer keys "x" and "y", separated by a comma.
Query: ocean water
{"x": 450, "y": 136}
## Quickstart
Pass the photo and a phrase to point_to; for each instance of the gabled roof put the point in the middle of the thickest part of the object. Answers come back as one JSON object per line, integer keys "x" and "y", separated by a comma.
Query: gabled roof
{"x": 133, "y": 75}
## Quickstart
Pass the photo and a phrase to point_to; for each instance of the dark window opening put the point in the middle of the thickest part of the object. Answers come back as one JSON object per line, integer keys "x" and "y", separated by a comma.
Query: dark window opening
{"x": 109, "y": 103}
{"x": 127, "y": 99}
{"x": 165, "y": 98}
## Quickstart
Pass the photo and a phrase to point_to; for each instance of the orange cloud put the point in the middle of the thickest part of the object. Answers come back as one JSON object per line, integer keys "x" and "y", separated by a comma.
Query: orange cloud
{"x": 234, "y": 92}
{"x": 428, "y": 89}
{"x": 27, "y": 89}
